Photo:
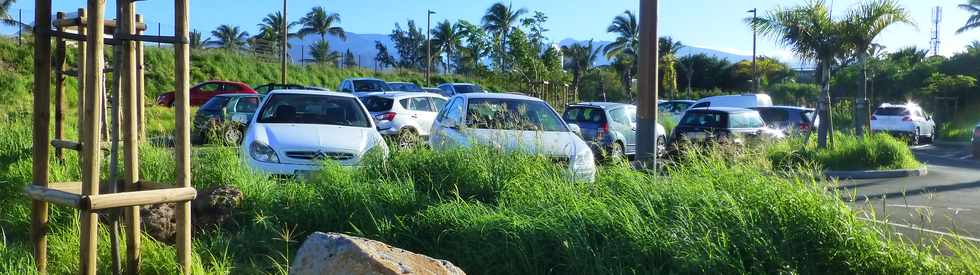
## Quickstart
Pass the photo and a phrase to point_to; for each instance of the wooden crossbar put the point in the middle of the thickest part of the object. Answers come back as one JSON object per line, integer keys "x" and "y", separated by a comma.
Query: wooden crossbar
{"x": 76, "y": 21}
{"x": 66, "y": 144}
{"x": 68, "y": 194}
{"x": 55, "y": 196}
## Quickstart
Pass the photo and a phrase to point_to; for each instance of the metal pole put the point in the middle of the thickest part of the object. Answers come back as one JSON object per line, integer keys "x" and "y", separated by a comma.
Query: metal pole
{"x": 20, "y": 28}
{"x": 428, "y": 47}
{"x": 159, "y": 29}
{"x": 647, "y": 85}
{"x": 755, "y": 71}
{"x": 285, "y": 42}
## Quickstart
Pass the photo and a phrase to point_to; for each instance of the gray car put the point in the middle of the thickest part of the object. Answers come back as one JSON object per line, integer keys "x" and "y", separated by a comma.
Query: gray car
{"x": 609, "y": 128}
{"x": 789, "y": 119}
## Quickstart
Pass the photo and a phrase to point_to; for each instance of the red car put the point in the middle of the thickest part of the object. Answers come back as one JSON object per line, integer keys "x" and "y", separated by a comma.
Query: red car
{"x": 202, "y": 92}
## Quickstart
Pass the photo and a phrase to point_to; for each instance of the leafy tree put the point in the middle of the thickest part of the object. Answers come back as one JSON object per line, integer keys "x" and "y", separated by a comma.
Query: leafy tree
{"x": 500, "y": 20}
{"x": 579, "y": 59}
{"x": 321, "y": 53}
{"x": 668, "y": 59}
{"x": 196, "y": 42}
{"x": 814, "y": 35}
{"x": 448, "y": 37}
{"x": 318, "y": 21}
{"x": 602, "y": 84}
{"x": 410, "y": 45}
{"x": 708, "y": 73}
{"x": 861, "y": 27}
{"x": 477, "y": 45}
{"x": 229, "y": 37}
{"x": 349, "y": 59}
{"x": 909, "y": 55}
{"x": 625, "y": 49}
{"x": 973, "y": 7}
{"x": 769, "y": 69}
{"x": 536, "y": 30}
{"x": 383, "y": 58}
{"x": 940, "y": 84}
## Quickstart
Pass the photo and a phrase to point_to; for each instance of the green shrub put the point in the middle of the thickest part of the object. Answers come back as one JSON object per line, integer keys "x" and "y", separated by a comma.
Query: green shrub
{"x": 848, "y": 152}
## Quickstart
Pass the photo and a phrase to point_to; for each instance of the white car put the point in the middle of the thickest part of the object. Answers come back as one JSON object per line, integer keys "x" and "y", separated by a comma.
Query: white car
{"x": 514, "y": 123}
{"x": 451, "y": 89}
{"x": 407, "y": 115}
{"x": 294, "y": 131}
{"x": 907, "y": 120}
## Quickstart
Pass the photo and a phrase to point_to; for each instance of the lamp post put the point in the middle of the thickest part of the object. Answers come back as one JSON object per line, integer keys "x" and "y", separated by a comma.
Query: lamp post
{"x": 284, "y": 44}
{"x": 428, "y": 45}
{"x": 755, "y": 71}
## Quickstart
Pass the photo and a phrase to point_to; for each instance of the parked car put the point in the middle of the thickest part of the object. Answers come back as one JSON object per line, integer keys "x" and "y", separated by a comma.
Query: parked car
{"x": 202, "y": 92}
{"x": 722, "y": 125}
{"x": 404, "y": 87}
{"x": 736, "y": 101}
{"x": 904, "y": 120}
{"x": 224, "y": 116}
{"x": 789, "y": 119}
{"x": 433, "y": 90}
{"x": 976, "y": 142}
{"x": 514, "y": 123}
{"x": 265, "y": 89}
{"x": 674, "y": 108}
{"x": 295, "y": 130}
{"x": 609, "y": 128}
{"x": 405, "y": 115}
{"x": 362, "y": 86}
{"x": 451, "y": 89}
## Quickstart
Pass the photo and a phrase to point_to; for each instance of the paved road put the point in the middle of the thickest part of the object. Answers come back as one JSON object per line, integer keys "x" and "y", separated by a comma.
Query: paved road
{"x": 945, "y": 201}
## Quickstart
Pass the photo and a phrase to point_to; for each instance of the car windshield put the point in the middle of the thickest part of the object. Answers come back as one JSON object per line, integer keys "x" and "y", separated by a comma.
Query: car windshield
{"x": 745, "y": 120}
{"x": 466, "y": 89}
{"x": 313, "y": 109}
{"x": 512, "y": 114}
{"x": 370, "y": 86}
{"x": 215, "y": 103}
{"x": 892, "y": 111}
{"x": 703, "y": 119}
{"x": 404, "y": 87}
{"x": 584, "y": 115}
{"x": 377, "y": 103}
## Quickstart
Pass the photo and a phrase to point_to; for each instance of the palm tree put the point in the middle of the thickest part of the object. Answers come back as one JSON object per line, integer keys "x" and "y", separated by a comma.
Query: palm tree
{"x": 668, "y": 49}
{"x": 628, "y": 39}
{"x": 383, "y": 58}
{"x": 271, "y": 29}
{"x": 6, "y": 18}
{"x": 814, "y": 35}
{"x": 321, "y": 53}
{"x": 862, "y": 26}
{"x": 229, "y": 37}
{"x": 909, "y": 56}
{"x": 973, "y": 7}
{"x": 579, "y": 59}
{"x": 448, "y": 37}
{"x": 196, "y": 42}
{"x": 318, "y": 21}
{"x": 499, "y": 20}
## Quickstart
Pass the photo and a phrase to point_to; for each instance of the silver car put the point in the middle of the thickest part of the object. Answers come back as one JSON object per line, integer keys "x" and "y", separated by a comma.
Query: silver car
{"x": 406, "y": 116}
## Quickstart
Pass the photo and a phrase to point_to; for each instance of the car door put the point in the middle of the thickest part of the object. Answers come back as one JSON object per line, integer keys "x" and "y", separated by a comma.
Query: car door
{"x": 619, "y": 123}
{"x": 444, "y": 136}
{"x": 426, "y": 112}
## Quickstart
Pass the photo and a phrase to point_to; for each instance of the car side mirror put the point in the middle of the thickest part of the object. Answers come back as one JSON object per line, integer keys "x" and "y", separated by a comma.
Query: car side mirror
{"x": 575, "y": 129}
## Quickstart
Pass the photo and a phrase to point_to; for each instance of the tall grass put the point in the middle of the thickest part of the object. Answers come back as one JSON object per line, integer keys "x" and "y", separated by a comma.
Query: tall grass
{"x": 848, "y": 152}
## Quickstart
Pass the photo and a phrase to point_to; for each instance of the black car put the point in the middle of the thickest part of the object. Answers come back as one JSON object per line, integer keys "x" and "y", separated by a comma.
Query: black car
{"x": 722, "y": 125}
{"x": 224, "y": 117}
{"x": 789, "y": 119}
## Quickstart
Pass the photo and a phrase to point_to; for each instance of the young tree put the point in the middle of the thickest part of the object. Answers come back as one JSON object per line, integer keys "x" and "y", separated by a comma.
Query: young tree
{"x": 668, "y": 59}
{"x": 383, "y": 58}
{"x": 321, "y": 53}
{"x": 536, "y": 30}
{"x": 410, "y": 45}
{"x": 472, "y": 54}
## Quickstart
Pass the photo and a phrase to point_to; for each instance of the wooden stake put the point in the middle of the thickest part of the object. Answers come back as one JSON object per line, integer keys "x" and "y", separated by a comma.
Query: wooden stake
{"x": 91, "y": 141}
{"x": 81, "y": 78}
{"x": 130, "y": 120}
{"x": 183, "y": 134}
{"x": 42, "y": 116}
{"x": 59, "y": 90}
{"x": 140, "y": 83}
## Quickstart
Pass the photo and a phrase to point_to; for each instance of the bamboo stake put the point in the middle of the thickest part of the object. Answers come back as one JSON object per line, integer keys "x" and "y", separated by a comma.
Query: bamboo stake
{"x": 81, "y": 78}
{"x": 130, "y": 120}
{"x": 183, "y": 135}
{"x": 91, "y": 151}
{"x": 59, "y": 90}
{"x": 126, "y": 199}
{"x": 42, "y": 115}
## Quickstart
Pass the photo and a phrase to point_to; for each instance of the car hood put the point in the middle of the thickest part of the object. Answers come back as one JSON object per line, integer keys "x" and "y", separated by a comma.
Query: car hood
{"x": 554, "y": 144}
{"x": 285, "y": 138}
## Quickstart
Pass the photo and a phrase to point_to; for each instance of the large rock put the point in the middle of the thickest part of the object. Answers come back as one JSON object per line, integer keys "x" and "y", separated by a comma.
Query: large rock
{"x": 333, "y": 253}
{"x": 212, "y": 207}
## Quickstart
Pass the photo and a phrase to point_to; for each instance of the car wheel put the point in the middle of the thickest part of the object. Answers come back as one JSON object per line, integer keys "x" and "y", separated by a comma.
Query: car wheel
{"x": 233, "y": 135}
{"x": 407, "y": 138}
{"x": 661, "y": 146}
{"x": 616, "y": 152}
{"x": 932, "y": 136}
{"x": 915, "y": 140}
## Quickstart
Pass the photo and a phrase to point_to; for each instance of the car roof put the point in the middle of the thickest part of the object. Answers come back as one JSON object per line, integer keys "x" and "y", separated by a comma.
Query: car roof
{"x": 906, "y": 105}
{"x": 722, "y": 109}
{"x": 237, "y": 95}
{"x": 222, "y": 82}
{"x": 498, "y": 96}
{"x": 604, "y": 105}
{"x": 680, "y": 100}
{"x": 458, "y": 83}
{"x": 310, "y": 92}
{"x": 798, "y": 108}
{"x": 398, "y": 95}
{"x": 364, "y": 78}
{"x": 400, "y": 82}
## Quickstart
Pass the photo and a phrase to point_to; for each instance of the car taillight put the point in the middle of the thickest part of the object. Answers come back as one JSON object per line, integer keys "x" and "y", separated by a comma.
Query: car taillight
{"x": 804, "y": 127}
{"x": 907, "y": 118}
{"x": 603, "y": 129}
{"x": 976, "y": 133}
{"x": 386, "y": 116}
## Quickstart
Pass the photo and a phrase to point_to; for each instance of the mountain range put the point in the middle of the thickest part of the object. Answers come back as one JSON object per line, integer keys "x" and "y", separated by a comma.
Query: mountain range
{"x": 363, "y": 47}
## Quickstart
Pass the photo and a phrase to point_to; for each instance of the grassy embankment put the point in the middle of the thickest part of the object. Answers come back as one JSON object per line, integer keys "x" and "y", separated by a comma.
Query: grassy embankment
{"x": 493, "y": 213}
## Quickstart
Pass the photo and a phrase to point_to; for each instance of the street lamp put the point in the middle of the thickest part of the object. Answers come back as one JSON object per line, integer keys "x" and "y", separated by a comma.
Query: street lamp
{"x": 428, "y": 46}
{"x": 755, "y": 72}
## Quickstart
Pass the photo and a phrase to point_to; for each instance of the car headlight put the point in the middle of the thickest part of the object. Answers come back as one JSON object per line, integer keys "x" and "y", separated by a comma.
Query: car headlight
{"x": 262, "y": 152}
{"x": 583, "y": 158}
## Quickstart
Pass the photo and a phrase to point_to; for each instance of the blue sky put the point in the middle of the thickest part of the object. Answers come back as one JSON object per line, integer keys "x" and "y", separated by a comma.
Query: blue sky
{"x": 714, "y": 24}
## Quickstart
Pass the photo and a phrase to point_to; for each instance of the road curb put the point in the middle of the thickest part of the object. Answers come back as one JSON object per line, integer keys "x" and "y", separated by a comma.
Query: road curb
{"x": 876, "y": 174}
{"x": 952, "y": 143}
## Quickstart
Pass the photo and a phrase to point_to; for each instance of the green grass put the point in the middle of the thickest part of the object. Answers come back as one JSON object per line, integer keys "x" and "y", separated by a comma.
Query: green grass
{"x": 953, "y": 132}
{"x": 848, "y": 152}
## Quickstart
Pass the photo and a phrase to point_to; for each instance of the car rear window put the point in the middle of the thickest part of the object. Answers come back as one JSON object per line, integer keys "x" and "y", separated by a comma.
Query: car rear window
{"x": 215, "y": 103}
{"x": 370, "y": 86}
{"x": 892, "y": 111}
{"x": 466, "y": 89}
{"x": 377, "y": 103}
{"x": 808, "y": 116}
{"x": 704, "y": 119}
{"x": 772, "y": 116}
{"x": 584, "y": 115}
{"x": 745, "y": 120}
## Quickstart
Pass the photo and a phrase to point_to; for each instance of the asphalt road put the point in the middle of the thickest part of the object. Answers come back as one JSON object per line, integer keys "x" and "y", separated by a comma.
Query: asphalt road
{"x": 944, "y": 202}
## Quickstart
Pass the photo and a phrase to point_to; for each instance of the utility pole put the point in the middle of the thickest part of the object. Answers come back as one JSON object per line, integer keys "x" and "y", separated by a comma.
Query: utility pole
{"x": 755, "y": 70}
{"x": 428, "y": 46}
{"x": 647, "y": 86}
{"x": 284, "y": 44}
{"x": 20, "y": 27}
{"x": 159, "y": 33}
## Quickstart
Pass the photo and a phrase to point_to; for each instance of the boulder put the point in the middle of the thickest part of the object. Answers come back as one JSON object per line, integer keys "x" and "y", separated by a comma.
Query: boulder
{"x": 212, "y": 207}
{"x": 334, "y": 253}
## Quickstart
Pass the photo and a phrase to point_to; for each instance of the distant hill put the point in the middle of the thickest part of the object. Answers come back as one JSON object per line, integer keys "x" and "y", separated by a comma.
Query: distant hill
{"x": 362, "y": 45}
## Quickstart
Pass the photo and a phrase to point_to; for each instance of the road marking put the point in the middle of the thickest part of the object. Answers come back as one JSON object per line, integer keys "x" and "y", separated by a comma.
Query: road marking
{"x": 906, "y": 226}
{"x": 956, "y": 210}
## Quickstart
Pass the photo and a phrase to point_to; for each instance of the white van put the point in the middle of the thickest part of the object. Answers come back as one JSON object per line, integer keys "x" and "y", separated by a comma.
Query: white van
{"x": 736, "y": 101}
